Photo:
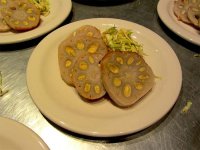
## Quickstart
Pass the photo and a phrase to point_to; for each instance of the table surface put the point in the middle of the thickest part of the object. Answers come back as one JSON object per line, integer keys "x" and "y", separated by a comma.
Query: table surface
{"x": 177, "y": 131}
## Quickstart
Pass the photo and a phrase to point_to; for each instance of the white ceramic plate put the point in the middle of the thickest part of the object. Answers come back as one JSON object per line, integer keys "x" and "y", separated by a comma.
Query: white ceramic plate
{"x": 166, "y": 14}
{"x": 59, "y": 11}
{"x": 16, "y": 136}
{"x": 61, "y": 103}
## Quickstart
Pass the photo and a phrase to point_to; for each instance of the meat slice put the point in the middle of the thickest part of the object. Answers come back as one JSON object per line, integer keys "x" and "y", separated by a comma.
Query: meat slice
{"x": 87, "y": 77}
{"x": 126, "y": 77}
{"x": 21, "y": 15}
{"x": 75, "y": 46}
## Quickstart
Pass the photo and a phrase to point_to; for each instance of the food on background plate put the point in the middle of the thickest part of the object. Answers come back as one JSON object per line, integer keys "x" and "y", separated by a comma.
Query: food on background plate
{"x": 126, "y": 77}
{"x": 188, "y": 11}
{"x": 194, "y": 15}
{"x": 3, "y": 25}
{"x": 95, "y": 66}
{"x": 19, "y": 15}
{"x": 180, "y": 10}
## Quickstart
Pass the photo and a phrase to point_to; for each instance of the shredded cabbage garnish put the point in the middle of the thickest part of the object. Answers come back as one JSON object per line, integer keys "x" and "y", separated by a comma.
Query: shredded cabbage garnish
{"x": 187, "y": 107}
{"x": 0, "y": 79}
{"x": 121, "y": 40}
{"x": 196, "y": 55}
{"x": 1, "y": 91}
{"x": 42, "y": 5}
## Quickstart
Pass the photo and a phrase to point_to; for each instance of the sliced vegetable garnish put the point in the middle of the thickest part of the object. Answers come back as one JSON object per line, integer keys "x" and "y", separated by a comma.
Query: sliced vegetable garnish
{"x": 42, "y": 5}
{"x": 1, "y": 91}
{"x": 196, "y": 55}
{"x": 121, "y": 40}
{"x": 0, "y": 79}
{"x": 186, "y": 107}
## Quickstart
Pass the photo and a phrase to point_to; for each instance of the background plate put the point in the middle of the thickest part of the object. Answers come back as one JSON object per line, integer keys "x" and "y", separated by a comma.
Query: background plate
{"x": 62, "y": 105}
{"x": 166, "y": 14}
{"x": 16, "y": 136}
{"x": 48, "y": 23}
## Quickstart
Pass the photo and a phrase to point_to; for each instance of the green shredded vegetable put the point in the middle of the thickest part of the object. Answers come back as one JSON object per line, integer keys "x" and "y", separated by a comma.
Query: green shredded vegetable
{"x": 196, "y": 55}
{"x": 1, "y": 91}
{"x": 186, "y": 107}
{"x": 0, "y": 79}
{"x": 121, "y": 40}
{"x": 42, "y": 5}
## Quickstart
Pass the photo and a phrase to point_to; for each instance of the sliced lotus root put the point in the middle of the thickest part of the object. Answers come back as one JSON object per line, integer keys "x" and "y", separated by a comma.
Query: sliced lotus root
{"x": 21, "y": 15}
{"x": 194, "y": 15}
{"x": 72, "y": 48}
{"x": 3, "y": 25}
{"x": 87, "y": 77}
{"x": 126, "y": 77}
{"x": 88, "y": 31}
{"x": 6, "y": 3}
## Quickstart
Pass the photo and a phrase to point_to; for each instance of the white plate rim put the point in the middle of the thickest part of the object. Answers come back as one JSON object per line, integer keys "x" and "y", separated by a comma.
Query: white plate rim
{"x": 165, "y": 12}
{"x": 21, "y": 133}
{"x": 54, "y": 20}
{"x": 55, "y": 114}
